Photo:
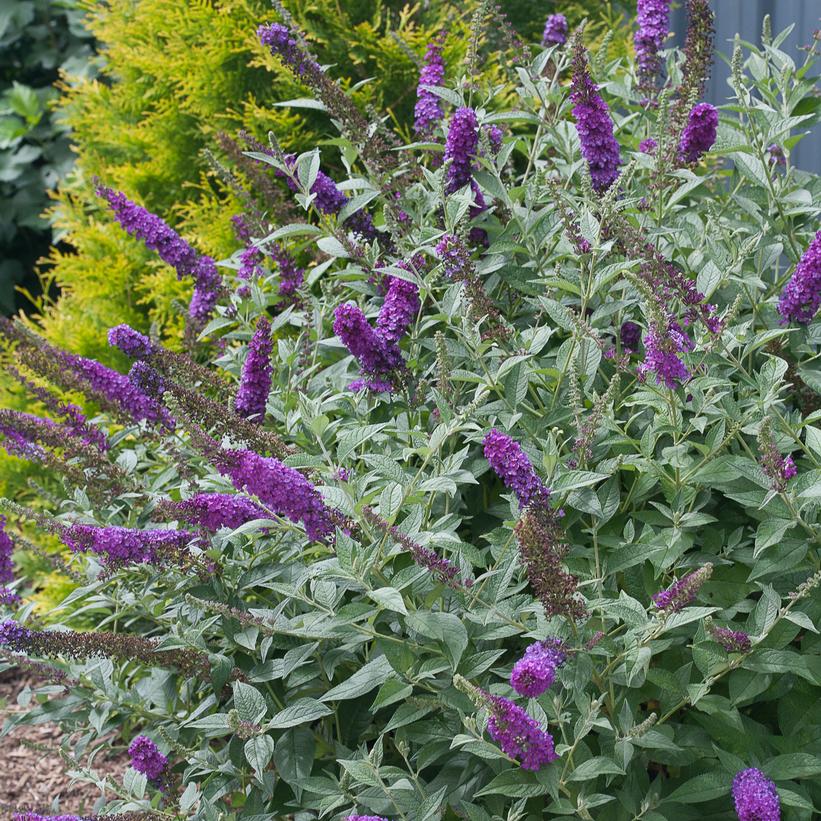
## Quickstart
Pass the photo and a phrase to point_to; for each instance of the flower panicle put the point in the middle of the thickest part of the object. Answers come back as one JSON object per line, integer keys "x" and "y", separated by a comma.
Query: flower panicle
{"x": 682, "y": 592}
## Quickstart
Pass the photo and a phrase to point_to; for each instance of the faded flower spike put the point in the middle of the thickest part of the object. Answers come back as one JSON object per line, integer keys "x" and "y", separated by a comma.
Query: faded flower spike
{"x": 755, "y": 796}
{"x": 801, "y": 296}
{"x": 733, "y": 641}
{"x": 147, "y": 759}
{"x": 535, "y": 671}
{"x": 520, "y": 736}
{"x": 428, "y": 111}
{"x": 777, "y": 468}
{"x": 512, "y": 466}
{"x": 699, "y": 133}
{"x": 257, "y": 372}
{"x": 555, "y": 30}
{"x": 682, "y": 592}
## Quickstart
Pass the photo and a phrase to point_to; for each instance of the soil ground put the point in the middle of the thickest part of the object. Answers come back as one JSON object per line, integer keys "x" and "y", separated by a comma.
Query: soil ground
{"x": 31, "y": 778}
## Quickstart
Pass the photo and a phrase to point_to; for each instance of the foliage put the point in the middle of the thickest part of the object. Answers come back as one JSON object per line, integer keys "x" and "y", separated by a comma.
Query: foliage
{"x": 672, "y": 570}
{"x": 38, "y": 39}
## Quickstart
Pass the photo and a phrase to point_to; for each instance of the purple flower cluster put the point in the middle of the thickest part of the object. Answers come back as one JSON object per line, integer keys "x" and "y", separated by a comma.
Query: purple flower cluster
{"x": 512, "y": 466}
{"x": 122, "y": 545}
{"x": 33, "y": 816}
{"x": 630, "y": 335}
{"x": 291, "y": 275}
{"x": 777, "y": 468}
{"x": 147, "y": 759}
{"x": 257, "y": 371}
{"x": 398, "y": 310}
{"x": 777, "y": 156}
{"x": 216, "y": 510}
{"x": 117, "y": 389}
{"x": 460, "y": 148}
{"x": 428, "y": 110}
{"x": 699, "y": 133}
{"x": 132, "y": 343}
{"x": 662, "y": 348}
{"x": 733, "y": 641}
{"x": 281, "y": 42}
{"x": 594, "y": 126}
{"x": 555, "y": 30}
{"x": 534, "y": 672}
{"x": 147, "y": 379}
{"x": 682, "y": 592}
{"x": 15, "y": 637}
{"x": 282, "y": 489}
{"x": 378, "y": 357}
{"x": 755, "y": 797}
{"x": 653, "y": 18}
{"x": 648, "y": 146}
{"x": 250, "y": 268}
{"x": 171, "y": 248}
{"x": 520, "y": 736}
{"x": 801, "y": 296}
{"x": 6, "y": 550}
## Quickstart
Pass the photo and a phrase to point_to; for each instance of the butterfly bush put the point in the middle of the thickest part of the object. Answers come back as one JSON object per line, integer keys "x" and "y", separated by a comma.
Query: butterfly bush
{"x": 486, "y": 486}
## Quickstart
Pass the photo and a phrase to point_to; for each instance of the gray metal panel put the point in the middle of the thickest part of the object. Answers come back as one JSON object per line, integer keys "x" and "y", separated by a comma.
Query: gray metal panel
{"x": 744, "y": 17}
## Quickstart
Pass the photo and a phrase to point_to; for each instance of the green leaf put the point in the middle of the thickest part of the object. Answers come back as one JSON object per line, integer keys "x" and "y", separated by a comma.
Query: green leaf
{"x": 258, "y": 752}
{"x": 302, "y": 711}
{"x": 704, "y": 787}
{"x": 793, "y": 765}
{"x": 294, "y": 755}
{"x": 518, "y": 783}
{"x": 445, "y": 628}
{"x": 594, "y": 767}
{"x": 249, "y": 702}
{"x": 365, "y": 679}
{"x": 389, "y": 598}
{"x": 577, "y": 478}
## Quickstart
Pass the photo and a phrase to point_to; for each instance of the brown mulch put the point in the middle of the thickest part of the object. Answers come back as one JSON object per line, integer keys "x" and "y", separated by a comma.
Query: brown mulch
{"x": 33, "y": 778}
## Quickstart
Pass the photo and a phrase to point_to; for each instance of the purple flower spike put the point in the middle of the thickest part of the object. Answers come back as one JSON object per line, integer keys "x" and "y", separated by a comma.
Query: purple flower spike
{"x": 216, "y": 510}
{"x": 535, "y": 671}
{"x": 33, "y": 816}
{"x": 398, "y": 310}
{"x": 171, "y": 248}
{"x": 630, "y": 334}
{"x": 653, "y": 18}
{"x": 801, "y": 296}
{"x": 460, "y": 148}
{"x": 699, "y": 133}
{"x": 519, "y": 735}
{"x": 15, "y": 637}
{"x": 257, "y": 371}
{"x": 122, "y": 545}
{"x": 755, "y": 797}
{"x": 682, "y": 592}
{"x": 281, "y": 42}
{"x": 511, "y": 464}
{"x": 662, "y": 349}
{"x": 428, "y": 110}
{"x": 377, "y": 357}
{"x": 6, "y": 550}
{"x": 132, "y": 343}
{"x": 648, "y": 146}
{"x": 147, "y": 759}
{"x": 555, "y": 30}
{"x": 594, "y": 126}
{"x": 282, "y": 489}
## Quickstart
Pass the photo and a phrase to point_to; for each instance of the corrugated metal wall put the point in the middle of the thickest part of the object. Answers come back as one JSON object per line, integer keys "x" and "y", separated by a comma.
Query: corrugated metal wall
{"x": 745, "y": 17}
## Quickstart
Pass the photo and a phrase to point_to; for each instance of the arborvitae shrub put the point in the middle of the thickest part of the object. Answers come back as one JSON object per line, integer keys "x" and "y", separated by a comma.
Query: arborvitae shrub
{"x": 529, "y": 525}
